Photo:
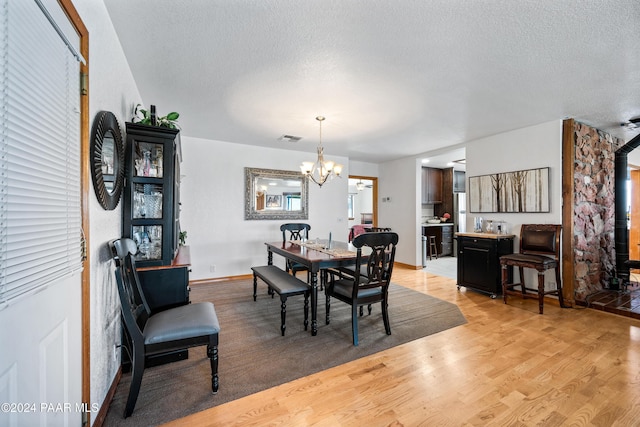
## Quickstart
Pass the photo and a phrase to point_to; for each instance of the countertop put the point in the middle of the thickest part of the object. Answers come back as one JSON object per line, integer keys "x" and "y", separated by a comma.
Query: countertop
{"x": 487, "y": 235}
{"x": 441, "y": 224}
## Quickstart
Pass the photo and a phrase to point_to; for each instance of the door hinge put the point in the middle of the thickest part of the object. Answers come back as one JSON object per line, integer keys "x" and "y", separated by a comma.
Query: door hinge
{"x": 84, "y": 85}
{"x": 83, "y": 245}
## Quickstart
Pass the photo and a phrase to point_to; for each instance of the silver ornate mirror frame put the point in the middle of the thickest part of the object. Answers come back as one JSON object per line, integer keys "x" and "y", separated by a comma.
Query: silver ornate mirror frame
{"x": 279, "y": 209}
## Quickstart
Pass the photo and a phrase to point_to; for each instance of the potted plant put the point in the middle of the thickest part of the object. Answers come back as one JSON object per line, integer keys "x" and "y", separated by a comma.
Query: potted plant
{"x": 182, "y": 237}
{"x": 148, "y": 117}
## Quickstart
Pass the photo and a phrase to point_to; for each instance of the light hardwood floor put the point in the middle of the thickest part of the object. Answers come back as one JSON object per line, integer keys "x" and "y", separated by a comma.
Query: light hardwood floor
{"x": 508, "y": 366}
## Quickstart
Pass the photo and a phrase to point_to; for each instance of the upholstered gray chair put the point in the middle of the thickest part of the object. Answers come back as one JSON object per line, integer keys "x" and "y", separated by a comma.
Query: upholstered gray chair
{"x": 173, "y": 329}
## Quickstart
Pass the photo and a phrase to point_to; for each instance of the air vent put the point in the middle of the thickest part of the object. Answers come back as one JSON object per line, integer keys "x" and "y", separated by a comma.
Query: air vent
{"x": 289, "y": 138}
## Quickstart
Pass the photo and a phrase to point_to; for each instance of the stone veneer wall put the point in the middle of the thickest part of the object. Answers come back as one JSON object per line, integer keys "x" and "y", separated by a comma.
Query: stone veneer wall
{"x": 594, "y": 209}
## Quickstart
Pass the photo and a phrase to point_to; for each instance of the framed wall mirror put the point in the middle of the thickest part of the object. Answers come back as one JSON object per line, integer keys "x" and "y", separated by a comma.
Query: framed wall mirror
{"x": 275, "y": 194}
{"x": 107, "y": 159}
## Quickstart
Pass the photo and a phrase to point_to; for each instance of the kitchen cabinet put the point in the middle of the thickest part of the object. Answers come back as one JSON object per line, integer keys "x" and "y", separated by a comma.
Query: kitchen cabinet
{"x": 479, "y": 261}
{"x": 446, "y": 246}
{"x": 443, "y": 234}
{"x": 431, "y": 185}
{"x": 459, "y": 182}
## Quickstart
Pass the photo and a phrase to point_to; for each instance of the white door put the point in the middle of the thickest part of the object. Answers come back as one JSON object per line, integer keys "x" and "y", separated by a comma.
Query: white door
{"x": 40, "y": 331}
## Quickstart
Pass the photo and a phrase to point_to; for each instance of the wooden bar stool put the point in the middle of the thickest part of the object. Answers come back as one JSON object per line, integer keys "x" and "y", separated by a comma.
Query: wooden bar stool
{"x": 433, "y": 248}
{"x": 540, "y": 250}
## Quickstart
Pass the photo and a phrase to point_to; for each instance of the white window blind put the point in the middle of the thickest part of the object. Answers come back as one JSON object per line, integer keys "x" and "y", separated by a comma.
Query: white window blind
{"x": 40, "y": 216}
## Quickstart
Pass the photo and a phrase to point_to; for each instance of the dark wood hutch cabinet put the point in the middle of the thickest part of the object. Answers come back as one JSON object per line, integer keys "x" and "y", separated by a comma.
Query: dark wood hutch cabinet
{"x": 151, "y": 217}
{"x": 151, "y": 213}
{"x": 151, "y": 206}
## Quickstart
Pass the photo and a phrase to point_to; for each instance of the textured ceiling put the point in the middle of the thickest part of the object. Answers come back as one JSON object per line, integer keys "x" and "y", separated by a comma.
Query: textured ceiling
{"x": 394, "y": 78}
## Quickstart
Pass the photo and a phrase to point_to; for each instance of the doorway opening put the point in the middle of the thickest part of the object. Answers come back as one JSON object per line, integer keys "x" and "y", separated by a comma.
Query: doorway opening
{"x": 363, "y": 200}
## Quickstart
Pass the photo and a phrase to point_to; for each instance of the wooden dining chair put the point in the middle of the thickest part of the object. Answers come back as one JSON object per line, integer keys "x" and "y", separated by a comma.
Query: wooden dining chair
{"x": 360, "y": 289}
{"x": 296, "y": 231}
{"x": 172, "y": 329}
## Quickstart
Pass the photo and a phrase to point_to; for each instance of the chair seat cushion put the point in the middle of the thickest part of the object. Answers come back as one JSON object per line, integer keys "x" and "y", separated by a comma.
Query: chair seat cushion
{"x": 540, "y": 260}
{"x": 345, "y": 288}
{"x": 186, "y": 321}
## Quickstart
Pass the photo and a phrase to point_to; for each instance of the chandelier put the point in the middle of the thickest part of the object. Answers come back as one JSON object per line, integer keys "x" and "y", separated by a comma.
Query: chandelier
{"x": 321, "y": 170}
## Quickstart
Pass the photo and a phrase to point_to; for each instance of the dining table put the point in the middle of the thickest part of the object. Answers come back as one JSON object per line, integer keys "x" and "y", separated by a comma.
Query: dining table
{"x": 317, "y": 255}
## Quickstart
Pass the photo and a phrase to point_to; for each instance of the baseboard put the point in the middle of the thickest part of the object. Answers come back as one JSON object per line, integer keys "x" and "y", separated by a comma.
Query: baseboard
{"x": 409, "y": 266}
{"x": 220, "y": 279}
{"x": 250, "y": 276}
{"x": 102, "y": 413}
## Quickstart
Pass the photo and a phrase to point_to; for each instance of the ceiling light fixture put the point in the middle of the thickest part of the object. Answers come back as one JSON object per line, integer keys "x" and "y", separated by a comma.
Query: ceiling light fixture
{"x": 631, "y": 124}
{"x": 360, "y": 185}
{"x": 321, "y": 170}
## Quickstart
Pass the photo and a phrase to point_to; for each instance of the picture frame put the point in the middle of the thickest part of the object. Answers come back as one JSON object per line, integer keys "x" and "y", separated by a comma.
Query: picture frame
{"x": 274, "y": 201}
{"x": 523, "y": 191}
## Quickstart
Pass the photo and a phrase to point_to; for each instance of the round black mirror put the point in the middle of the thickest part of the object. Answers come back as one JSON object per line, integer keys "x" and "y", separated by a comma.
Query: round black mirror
{"x": 107, "y": 159}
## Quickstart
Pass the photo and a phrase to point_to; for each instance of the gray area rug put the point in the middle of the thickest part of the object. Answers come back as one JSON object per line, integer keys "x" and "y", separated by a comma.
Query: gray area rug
{"x": 253, "y": 356}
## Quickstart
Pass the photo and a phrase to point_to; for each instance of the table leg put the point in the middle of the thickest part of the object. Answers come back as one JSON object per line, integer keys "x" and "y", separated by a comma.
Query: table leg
{"x": 314, "y": 303}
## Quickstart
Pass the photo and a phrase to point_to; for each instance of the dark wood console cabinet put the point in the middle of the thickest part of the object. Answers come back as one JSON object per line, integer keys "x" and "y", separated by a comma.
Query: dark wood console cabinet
{"x": 167, "y": 286}
{"x": 479, "y": 260}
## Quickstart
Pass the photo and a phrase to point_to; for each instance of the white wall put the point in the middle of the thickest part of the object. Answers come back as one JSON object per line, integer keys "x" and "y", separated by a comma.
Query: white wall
{"x": 528, "y": 148}
{"x": 363, "y": 168}
{"x": 400, "y": 181}
{"x": 111, "y": 88}
{"x": 212, "y": 197}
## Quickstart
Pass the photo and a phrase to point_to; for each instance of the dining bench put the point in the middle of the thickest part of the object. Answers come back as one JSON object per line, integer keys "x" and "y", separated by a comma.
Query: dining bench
{"x": 285, "y": 285}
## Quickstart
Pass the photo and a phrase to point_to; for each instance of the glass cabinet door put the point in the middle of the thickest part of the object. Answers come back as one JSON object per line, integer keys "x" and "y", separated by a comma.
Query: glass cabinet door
{"x": 148, "y": 159}
{"x": 151, "y": 193}
{"x": 149, "y": 241}
{"x": 147, "y": 201}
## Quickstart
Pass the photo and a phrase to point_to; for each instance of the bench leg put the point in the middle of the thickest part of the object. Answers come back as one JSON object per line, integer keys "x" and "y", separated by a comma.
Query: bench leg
{"x": 283, "y": 313}
{"x": 255, "y": 287}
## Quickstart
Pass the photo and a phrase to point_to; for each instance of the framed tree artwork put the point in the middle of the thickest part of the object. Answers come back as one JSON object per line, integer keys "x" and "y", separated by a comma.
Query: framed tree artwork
{"x": 510, "y": 192}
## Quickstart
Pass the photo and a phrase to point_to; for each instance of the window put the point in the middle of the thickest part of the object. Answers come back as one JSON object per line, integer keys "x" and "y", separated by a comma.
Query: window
{"x": 40, "y": 213}
{"x": 350, "y": 204}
